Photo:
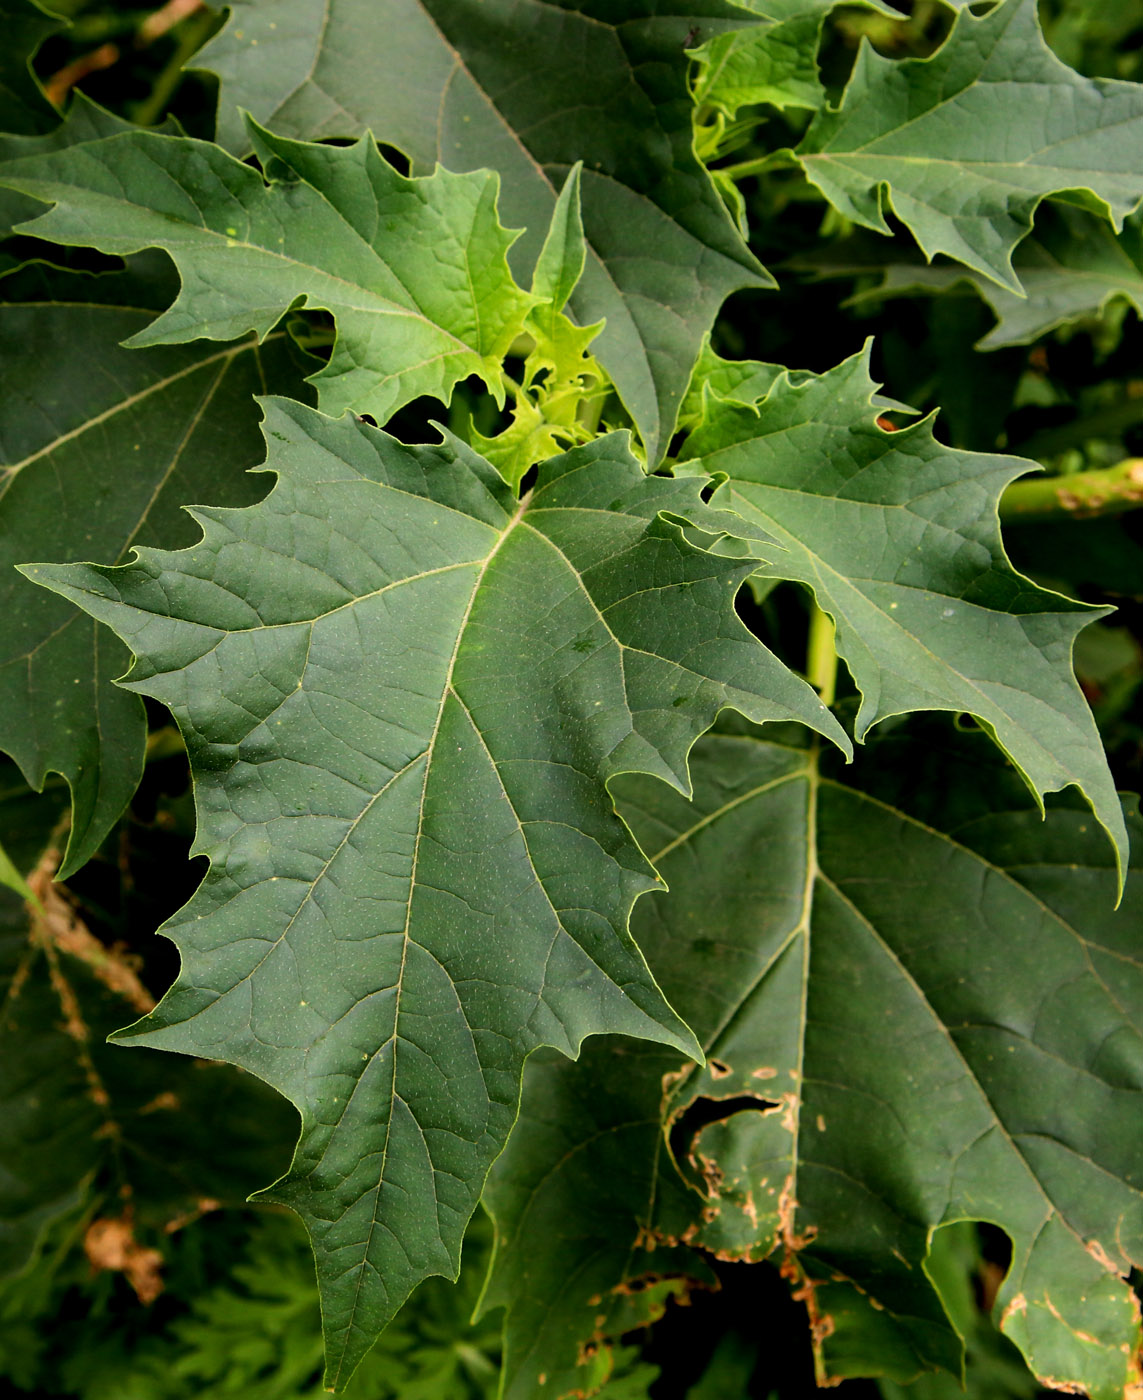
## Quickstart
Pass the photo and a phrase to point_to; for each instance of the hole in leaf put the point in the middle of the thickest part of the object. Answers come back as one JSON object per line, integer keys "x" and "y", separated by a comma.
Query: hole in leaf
{"x": 704, "y": 1111}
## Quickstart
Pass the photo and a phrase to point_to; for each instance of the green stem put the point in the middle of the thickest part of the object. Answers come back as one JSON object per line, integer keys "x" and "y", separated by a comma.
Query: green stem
{"x": 1107, "y": 491}
{"x": 744, "y": 168}
{"x": 196, "y": 32}
{"x": 821, "y": 655}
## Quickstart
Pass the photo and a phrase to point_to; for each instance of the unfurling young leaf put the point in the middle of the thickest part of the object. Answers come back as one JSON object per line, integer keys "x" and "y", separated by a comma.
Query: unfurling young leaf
{"x": 528, "y": 91}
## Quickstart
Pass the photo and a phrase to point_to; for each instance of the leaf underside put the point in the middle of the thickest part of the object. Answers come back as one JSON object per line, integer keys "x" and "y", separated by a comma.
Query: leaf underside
{"x": 402, "y": 693}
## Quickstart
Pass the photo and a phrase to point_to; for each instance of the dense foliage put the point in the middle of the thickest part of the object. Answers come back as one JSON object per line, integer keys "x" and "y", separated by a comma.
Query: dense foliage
{"x": 483, "y": 574}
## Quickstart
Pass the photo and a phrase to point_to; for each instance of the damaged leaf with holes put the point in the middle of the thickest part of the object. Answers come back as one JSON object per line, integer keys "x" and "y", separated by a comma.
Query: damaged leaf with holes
{"x": 891, "y": 1047}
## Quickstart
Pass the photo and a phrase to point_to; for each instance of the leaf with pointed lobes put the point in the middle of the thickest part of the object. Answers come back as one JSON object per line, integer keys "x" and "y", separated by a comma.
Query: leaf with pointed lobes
{"x": 404, "y": 692}
{"x": 917, "y": 1007}
{"x": 964, "y": 145}
{"x": 528, "y": 90}
{"x": 101, "y": 449}
{"x": 414, "y": 271}
{"x": 899, "y": 539}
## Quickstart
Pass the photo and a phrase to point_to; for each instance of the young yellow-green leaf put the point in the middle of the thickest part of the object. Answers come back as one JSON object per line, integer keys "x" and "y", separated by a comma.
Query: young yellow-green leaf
{"x": 899, "y": 539}
{"x": 963, "y": 146}
{"x": 774, "y": 60}
{"x": 99, "y": 450}
{"x": 403, "y": 693}
{"x": 918, "y": 1007}
{"x": 413, "y": 270}
{"x": 528, "y": 90}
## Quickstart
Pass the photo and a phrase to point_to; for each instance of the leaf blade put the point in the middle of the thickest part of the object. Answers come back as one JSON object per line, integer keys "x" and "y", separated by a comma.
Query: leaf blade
{"x": 899, "y": 540}
{"x": 433, "y": 882}
{"x": 475, "y": 85}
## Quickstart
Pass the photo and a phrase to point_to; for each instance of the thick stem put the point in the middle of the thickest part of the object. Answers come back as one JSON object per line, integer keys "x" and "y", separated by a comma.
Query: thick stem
{"x": 821, "y": 655}
{"x": 1102, "y": 492}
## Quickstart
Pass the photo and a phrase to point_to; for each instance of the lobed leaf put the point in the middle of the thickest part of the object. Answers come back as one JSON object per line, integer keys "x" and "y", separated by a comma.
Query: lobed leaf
{"x": 917, "y": 1008}
{"x": 479, "y": 83}
{"x": 899, "y": 540}
{"x": 414, "y": 271}
{"x": 1072, "y": 265}
{"x": 403, "y": 693}
{"x": 100, "y": 449}
{"x": 964, "y": 145}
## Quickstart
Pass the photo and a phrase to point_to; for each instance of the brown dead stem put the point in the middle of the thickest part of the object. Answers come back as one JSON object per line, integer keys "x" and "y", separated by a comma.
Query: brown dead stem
{"x": 57, "y": 925}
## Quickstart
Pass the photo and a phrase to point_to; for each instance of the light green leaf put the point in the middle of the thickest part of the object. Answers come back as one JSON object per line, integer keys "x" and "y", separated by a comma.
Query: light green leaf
{"x": 1072, "y": 265}
{"x": 528, "y": 90}
{"x": 403, "y": 693}
{"x": 963, "y": 146}
{"x": 564, "y": 254}
{"x": 899, "y": 540}
{"x": 774, "y": 60}
{"x": 414, "y": 271}
{"x": 100, "y": 449}
{"x": 917, "y": 1006}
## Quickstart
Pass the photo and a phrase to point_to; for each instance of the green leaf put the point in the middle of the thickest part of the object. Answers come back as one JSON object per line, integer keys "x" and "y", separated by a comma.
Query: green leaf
{"x": 478, "y": 83}
{"x": 773, "y": 61}
{"x": 100, "y": 449}
{"x": 993, "y": 1366}
{"x": 963, "y": 146}
{"x": 898, "y": 538}
{"x": 414, "y": 271}
{"x": 917, "y": 1006}
{"x": 84, "y": 1123}
{"x": 403, "y": 693}
{"x": 24, "y": 110}
{"x": 1072, "y": 265}
{"x": 564, "y": 254}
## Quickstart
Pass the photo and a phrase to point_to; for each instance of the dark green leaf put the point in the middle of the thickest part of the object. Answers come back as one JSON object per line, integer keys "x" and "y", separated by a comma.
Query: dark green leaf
{"x": 898, "y": 538}
{"x": 917, "y": 1006}
{"x": 403, "y": 693}
{"x": 100, "y": 448}
{"x": 1072, "y": 265}
{"x": 24, "y": 110}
